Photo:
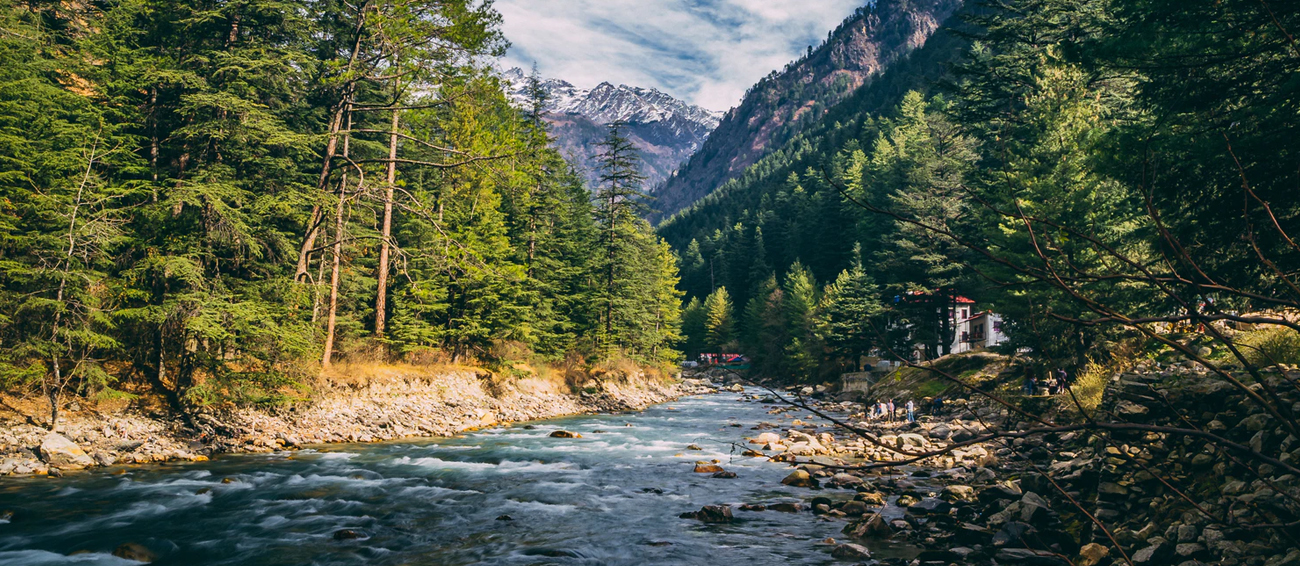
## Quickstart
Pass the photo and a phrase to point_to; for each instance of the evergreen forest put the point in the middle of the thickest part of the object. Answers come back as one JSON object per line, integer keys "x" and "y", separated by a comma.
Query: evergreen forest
{"x": 1102, "y": 174}
{"x": 216, "y": 200}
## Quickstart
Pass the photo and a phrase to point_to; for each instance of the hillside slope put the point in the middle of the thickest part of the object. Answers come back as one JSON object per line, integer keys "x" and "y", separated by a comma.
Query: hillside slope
{"x": 780, "y": 105}
{"x": 755, "y": 197}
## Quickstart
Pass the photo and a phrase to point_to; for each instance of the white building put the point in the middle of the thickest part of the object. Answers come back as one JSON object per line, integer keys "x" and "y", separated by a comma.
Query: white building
{"x": 976, "y": 330}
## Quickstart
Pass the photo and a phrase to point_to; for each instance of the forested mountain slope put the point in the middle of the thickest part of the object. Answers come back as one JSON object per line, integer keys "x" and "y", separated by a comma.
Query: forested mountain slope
{"x": 716, "y": 235}
{"x": 780, "y": 105}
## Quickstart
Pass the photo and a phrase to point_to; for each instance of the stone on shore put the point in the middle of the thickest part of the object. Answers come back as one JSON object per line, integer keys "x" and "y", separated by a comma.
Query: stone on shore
{"x": 59, "y": 451}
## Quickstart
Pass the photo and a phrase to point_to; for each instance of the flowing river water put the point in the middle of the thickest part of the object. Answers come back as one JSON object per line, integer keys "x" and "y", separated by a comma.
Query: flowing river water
{"x": 611, "y": 497}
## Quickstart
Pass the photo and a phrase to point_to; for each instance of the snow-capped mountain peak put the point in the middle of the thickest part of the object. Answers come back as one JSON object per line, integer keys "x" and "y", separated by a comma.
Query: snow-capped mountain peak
{"x": 606, "y": 103}
{"x": 665, "y": 130}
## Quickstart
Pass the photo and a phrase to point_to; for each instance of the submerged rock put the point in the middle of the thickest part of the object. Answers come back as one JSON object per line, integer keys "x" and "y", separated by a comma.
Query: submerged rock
{"x": 711, "y": 514}
{"x": 708, "y": 468}
{"x": 565, "y": 434}
{"x": 136, "y": 552}
{"x": 348, "y": 534}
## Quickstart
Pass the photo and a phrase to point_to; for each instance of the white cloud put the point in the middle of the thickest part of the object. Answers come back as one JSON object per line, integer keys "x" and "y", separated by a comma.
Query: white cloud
{"x": 704, "y": 51}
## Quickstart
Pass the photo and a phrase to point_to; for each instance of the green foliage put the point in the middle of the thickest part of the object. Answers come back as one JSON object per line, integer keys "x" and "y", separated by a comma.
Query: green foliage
{"x": 1271, "y": 346}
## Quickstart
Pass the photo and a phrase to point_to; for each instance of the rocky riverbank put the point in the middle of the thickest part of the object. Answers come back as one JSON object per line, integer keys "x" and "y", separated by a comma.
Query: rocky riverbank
{"x": 1084, "y": 497}
{"x": 396, "y": 403}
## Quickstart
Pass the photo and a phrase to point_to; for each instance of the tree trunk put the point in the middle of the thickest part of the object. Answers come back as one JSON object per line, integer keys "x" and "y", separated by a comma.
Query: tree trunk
{"x": 345, "y": 105}
{"x": 381, "y": 297}
{"x": 337, "y": 252}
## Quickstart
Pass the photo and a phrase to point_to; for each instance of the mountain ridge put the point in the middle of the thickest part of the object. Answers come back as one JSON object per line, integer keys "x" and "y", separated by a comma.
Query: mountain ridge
{"x": 665, "y": 130}
{"x": 775, "y": 109}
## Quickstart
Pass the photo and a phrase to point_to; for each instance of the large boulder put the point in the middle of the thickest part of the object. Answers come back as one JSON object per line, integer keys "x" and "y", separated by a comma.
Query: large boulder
{"x": 56, "y": 450}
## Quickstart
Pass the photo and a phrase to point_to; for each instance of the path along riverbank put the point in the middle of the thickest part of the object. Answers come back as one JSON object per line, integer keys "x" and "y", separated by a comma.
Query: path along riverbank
{"x": 391, "y": 403}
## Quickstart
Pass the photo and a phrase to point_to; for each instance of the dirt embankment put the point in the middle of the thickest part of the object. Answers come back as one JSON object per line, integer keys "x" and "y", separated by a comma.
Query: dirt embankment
{"x": 390, "y": 403}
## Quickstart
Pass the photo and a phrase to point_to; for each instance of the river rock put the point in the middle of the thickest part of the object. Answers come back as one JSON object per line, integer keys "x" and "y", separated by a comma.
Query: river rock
{"x": 136, "y": 552}
{"x": 1029, "y": 557}
{"x": 56, "y": 450}
{"x": 725, "y": 475}
{"x": 800, "y": 478}
{"x": 565, "y": 434}
{"x": 853, "y": 508}
{"x": 851, "y": 551}
{"x": 911, "y": 440}
{"x": 958, "y": 494}
{"x": 844, "y": 480}
{"x": 707, "y": 468}
{"x": 871, "y": 527}
{"x": 711, "y": 514}
{"x": 1092, "y": 554}
{"x": 1014, "y": 534}
{"x": 871, "y": 498}
{"x": 786, "y": 507}
{"x": 767, "y": 438}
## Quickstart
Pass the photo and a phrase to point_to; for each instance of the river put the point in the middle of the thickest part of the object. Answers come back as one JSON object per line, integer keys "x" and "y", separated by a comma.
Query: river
{"x": 611, "y": 497}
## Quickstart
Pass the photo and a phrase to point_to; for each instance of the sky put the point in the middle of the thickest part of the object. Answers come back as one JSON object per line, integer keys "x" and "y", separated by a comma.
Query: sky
{"x": 706, "y": 52}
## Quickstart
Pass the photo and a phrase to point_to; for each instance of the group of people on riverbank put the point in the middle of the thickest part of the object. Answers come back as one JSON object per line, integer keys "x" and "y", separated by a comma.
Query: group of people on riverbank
{"x": 1056, "y": 382}
{"x": 890, "y": 412}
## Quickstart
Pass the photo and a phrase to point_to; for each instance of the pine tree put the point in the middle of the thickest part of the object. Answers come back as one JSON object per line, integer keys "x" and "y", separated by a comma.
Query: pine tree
{"x": 694, "y": 327}
{"x": 850, "y": 311}
{"x": 618, "y": 201}
{"x": 718, "y": 324}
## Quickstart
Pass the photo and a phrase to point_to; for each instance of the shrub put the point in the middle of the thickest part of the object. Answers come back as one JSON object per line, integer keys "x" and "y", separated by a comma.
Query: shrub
{"x": 1271, "y": 346}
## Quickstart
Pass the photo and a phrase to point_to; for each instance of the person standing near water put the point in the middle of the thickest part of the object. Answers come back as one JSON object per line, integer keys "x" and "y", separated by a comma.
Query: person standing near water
{"x": 911, "y": 411}
{"x": 892, "y": 414}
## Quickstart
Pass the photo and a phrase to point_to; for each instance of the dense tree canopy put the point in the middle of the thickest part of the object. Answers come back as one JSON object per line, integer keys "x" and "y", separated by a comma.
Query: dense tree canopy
{"x": 212, "y": 200}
